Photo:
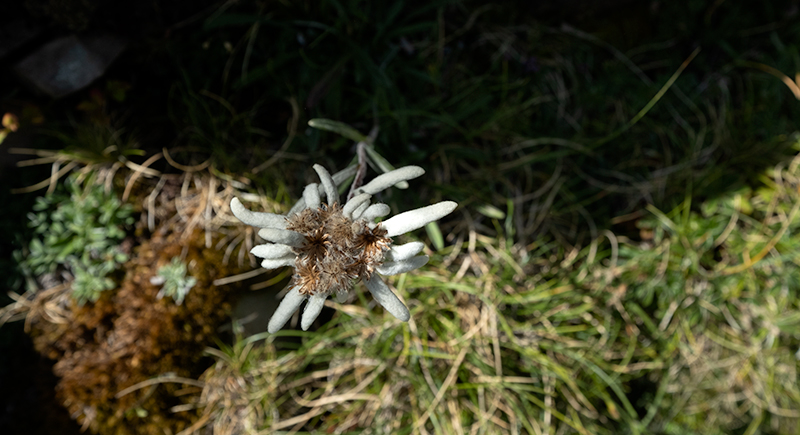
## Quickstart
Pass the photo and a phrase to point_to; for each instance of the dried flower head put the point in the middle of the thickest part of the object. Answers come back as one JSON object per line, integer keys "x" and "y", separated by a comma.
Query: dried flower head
{"x": 330, "y": 246}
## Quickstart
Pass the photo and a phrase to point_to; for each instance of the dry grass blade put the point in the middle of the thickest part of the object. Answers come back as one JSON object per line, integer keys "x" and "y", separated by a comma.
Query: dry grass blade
{"x": 160, "y": 380}
{"x": 138, "y": 171}
{"x": 447, "y": 383}
{"x": 184, "y": 168}
{"x": 56, "y": 173}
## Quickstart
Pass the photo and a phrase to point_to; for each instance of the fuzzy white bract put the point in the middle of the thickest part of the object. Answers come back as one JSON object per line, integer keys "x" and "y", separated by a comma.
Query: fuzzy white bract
{"x": 331, "y": 246}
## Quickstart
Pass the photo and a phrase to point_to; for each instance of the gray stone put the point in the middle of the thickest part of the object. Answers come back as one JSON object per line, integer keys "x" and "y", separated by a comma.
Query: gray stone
{"x": 69, "y": 64}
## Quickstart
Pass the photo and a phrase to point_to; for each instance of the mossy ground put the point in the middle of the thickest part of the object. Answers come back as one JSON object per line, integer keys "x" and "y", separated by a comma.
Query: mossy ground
{"x": 623, "y": 259}
{"x": 130, "y": 336}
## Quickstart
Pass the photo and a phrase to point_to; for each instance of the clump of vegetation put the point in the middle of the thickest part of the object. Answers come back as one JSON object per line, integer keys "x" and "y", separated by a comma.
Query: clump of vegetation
{"x": 108, "y": 353}
{"x": 78, "y": 228}
{"x": 239, "y": 389}
{"x": 111, "y": 356}
{"x": 175, "y": 284}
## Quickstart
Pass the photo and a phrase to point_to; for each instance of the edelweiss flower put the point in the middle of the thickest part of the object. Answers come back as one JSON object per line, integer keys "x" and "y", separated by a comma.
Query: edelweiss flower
{"x": 330, "y": 245}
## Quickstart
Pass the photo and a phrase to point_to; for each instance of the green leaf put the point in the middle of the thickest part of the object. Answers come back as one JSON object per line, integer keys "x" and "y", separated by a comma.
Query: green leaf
{"x": 382, "y": 164}
{"x": 337, "y": 127}
{"x": 491, "y": 211}
{"x": 435, "y": 234}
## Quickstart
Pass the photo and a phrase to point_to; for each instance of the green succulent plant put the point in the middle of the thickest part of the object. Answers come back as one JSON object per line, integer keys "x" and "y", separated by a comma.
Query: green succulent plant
{"x": 78, "y": 229}
{"x": 91, "y": 281}
{"x": 174, "y": 280}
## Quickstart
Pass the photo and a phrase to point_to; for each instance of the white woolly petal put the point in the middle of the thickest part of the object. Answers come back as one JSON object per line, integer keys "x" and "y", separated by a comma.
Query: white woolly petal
{"x": 384, "y": 295}
{"x": 404, "y": 252}
{"x": 373, "y": 212}
{"x": 312, "y": 310}
{"x": 328, "y": 184}
{"x": 311, "y": 195}
{"x": 397, "y": 267}
{"x": 354, "y": 203}
{"x": 290, "y": 303}
{"x": 411, "y": 220}
{"x": 274, "y": 263}
{"x": 338, "y": 178}
{"x": 256, "y": 219}
{"x": 389, "y": 179}
{"x": 285, "y": 237}
{"x": 272, "y": 250}
{"x": 361, "y": 209}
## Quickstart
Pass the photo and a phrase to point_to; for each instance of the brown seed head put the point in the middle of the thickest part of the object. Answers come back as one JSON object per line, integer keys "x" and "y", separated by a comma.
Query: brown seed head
{"x": 337, "y": 250}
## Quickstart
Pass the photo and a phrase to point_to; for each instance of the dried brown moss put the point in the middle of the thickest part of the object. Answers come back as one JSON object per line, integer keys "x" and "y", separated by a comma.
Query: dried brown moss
{"x": 130, "y": 336}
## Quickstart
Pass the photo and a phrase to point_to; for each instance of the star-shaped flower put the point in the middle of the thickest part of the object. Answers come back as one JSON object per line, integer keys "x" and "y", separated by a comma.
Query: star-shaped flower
{"x": 330, "y": 246}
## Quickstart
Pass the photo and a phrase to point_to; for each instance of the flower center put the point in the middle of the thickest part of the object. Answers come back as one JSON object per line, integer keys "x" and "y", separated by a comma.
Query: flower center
{"x": 337, "y": 250}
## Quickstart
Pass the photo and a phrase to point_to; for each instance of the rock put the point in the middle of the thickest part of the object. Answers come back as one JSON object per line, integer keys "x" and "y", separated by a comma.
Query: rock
{"x": 69, "y": 64}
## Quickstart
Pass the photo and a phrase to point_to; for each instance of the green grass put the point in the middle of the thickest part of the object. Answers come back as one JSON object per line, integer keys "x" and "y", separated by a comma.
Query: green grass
{"x": 563, "y": 302}
{"x": 689, "y": 329}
